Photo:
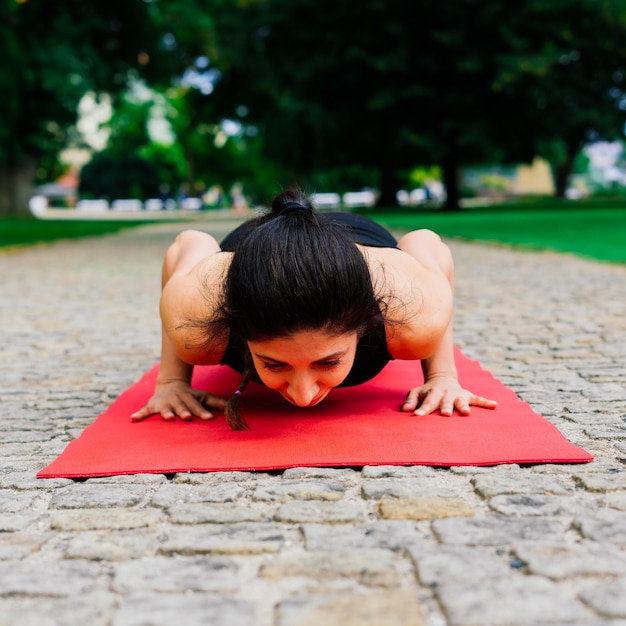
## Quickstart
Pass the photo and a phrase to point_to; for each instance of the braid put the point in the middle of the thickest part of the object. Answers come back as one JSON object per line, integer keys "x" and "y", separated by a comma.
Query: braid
{"x": 233, "y": 416}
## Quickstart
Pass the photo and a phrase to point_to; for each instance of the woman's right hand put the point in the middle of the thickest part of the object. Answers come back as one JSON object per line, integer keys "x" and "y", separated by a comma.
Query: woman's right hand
{"x": 179, "y": 399}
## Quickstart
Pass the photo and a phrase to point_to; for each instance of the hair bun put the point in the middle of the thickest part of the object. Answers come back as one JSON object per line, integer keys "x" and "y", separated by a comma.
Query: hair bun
{"x": 292, "y": 201}
{"x": 291, "y": 207}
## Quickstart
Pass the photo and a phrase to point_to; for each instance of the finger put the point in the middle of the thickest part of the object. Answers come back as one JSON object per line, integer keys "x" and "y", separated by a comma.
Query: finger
{"x": 446, "y": 407}
{"x": 199, "y": 410}
{"x": 188, "y": 407}
{"x": 142, "y": 414}
{"x": 431, "y": 402}
{"x": 483, "y": 402}
{"x": 410, "y": 404}
{"x": 214, "y": 402}
{"x": 168, "y": 415}
{"x": 449, "y": 401}
{"x": 182, "y": 411}
{"x": 462, "y": 406}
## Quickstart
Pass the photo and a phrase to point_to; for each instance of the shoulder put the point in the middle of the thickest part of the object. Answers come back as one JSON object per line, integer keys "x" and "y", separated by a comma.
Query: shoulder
{"x": 189, "y": 298}
{"x": 418, "y": 298}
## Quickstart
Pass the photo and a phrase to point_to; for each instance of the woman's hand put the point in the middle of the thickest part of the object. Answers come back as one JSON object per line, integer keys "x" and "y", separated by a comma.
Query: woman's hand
{"x": 179, "y": 399}
{"x": 444, "y": 394}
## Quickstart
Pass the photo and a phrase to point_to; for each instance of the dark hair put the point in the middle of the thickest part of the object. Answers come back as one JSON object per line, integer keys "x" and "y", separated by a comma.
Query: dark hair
{"x": 295, "y": 270}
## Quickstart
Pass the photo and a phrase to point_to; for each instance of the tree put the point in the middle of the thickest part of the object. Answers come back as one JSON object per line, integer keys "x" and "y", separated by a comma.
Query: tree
{"x": 569, "y": 65}
{"x": 208, "y": 149}
{"x": 317, "y": 79}
{"x": 113, "y": 176}
{"x": 396, "y": 83}
{"x": 132, "y": 165}
{"x": 218, "y": 150}
{"x": 383, "y": 88}
{"x": 54, "y": 51}
{"x": 327, "y": 88}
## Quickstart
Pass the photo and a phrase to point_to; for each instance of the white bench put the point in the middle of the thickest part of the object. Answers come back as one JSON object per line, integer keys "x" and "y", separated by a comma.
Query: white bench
{"x": 191, "y": 204}
{"x": 359, "y": 198}
{"x": 326, "y": 200}
{"x": 127, "y": 205}
{"x": 154, "y": 204}
{"x": 95, "y": 206}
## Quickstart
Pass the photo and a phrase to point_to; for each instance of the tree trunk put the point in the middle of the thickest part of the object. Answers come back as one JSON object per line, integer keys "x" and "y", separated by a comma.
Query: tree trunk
{"x": 562, "y": 171}
{"x": 16, "y": 187}
{"x": 451, "y": 180}
{"x": 191, "y": 168}
{"x": 388, "y": 187}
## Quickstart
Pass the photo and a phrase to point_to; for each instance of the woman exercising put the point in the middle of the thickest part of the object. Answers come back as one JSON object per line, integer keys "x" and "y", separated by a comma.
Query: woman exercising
{"x": 303, "y": 302}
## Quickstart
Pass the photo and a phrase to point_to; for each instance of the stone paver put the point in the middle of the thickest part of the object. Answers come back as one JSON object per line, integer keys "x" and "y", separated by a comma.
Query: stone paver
{"x": 373, "y": 546}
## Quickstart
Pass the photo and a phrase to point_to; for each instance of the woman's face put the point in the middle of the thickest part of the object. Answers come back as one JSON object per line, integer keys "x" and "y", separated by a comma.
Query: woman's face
{"x": 305, "y": 366}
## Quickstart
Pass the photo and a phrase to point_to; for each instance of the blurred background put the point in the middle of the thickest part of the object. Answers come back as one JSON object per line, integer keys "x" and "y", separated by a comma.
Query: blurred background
{"x": 204, "y": 104}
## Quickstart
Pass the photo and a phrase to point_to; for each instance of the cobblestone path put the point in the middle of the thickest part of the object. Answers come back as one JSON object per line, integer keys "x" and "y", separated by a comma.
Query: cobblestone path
{"x": 514, "y": 546}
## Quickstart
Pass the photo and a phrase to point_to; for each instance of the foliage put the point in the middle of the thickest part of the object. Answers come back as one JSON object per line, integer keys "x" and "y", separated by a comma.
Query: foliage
{"x": 401, "y": 83}
{"x": 201, "y": 155}
{"x": 343, "y": 179}
{"x": 128, "y": 126}
{"x": 215, "y": 151}
{"x": 112, "y": 176}
{"x": 133, "y": 164}
{"x": 169, "y": 163}
{"x": 316, "y": 92}
{"x": 53, "y": 52}
{"x": 419, "y": 176}
{"x": 569, "y": 66}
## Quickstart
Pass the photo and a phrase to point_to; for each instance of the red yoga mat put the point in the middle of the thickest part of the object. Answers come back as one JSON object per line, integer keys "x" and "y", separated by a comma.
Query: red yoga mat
{"x": 354, "y": 426}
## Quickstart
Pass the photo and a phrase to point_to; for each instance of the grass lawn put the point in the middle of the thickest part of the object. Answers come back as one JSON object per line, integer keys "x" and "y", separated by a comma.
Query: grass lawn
{"x": 595, "y": 229}
{"x": 591, "y": 231}
{"x": 22, "y": 231}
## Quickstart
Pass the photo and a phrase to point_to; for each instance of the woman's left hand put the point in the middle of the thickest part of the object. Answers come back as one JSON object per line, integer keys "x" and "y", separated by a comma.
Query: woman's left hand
{"x": 444, "y": 394}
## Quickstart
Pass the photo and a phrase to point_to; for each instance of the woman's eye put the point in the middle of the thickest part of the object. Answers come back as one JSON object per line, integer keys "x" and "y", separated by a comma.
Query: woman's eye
{"x": 272, "y": 366}
{"x": 276, "y": 367}
{"x": 329, "y": 364}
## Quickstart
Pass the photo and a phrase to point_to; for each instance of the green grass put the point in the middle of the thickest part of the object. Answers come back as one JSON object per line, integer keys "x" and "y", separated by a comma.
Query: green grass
{"x": 18, "y": 231}
{"x": 595, "y": 232}
{"x": 595, "y": 229}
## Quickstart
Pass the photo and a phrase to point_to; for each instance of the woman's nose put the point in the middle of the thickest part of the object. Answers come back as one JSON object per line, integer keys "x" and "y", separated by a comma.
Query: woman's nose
{"x": 302, "y": 390}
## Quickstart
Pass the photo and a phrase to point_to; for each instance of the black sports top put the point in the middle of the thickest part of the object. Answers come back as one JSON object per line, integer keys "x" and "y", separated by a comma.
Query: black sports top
{"x": 371, "y": 352}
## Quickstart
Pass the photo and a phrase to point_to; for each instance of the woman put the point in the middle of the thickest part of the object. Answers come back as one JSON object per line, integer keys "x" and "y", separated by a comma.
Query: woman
{"x": 304, "y": 302}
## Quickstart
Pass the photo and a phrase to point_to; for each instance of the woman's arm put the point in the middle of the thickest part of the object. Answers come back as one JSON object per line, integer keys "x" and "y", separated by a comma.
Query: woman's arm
{"x": 174, "y": 397}
{"x": 441, "y": 389}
